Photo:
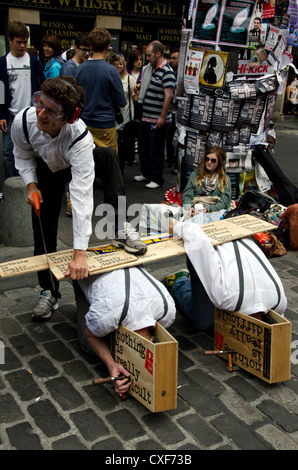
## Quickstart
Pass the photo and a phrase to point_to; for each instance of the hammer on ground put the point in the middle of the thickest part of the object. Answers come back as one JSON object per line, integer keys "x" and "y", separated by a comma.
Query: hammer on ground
{"x": 216, "y": 352}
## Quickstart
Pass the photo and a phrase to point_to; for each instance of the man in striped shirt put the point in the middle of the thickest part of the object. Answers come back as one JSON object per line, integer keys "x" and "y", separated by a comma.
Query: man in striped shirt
{"x": 156, "y": 93}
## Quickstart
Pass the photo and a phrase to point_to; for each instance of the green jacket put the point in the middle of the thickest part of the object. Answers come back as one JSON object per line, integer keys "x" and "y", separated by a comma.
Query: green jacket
{"x": 191, "y": 191}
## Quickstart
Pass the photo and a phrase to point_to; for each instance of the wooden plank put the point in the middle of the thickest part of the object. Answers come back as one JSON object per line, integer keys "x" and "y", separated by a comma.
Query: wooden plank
{"x": 106, "y": 258}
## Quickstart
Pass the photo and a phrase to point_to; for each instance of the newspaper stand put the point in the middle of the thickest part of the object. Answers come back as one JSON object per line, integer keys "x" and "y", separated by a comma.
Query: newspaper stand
{"x": 262, "y": 349}
{"x": 153, "y": 366}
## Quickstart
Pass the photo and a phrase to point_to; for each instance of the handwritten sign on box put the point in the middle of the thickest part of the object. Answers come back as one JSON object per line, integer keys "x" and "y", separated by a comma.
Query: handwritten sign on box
{"x": 262, "y": 349}
{"x": 152, "y": 366}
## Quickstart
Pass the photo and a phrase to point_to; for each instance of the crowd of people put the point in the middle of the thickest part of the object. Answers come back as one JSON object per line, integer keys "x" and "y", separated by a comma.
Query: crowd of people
{"x": 59, "y": 129}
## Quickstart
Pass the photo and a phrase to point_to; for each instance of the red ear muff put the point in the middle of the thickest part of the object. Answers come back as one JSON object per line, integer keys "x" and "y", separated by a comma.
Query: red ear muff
{"x": 75, "y": 116}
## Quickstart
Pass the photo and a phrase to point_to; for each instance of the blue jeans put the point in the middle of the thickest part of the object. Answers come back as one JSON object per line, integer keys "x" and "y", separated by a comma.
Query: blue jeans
{"x": 8, "y": 158}
{"x": 193, "y": 300}
{"x": 152, "y": 151}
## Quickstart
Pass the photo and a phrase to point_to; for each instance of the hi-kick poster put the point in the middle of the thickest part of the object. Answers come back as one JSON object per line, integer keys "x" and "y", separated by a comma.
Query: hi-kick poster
{"x": 223, "y": 21}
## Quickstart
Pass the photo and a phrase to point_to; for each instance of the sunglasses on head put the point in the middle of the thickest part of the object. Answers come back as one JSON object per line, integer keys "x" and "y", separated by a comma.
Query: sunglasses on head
{"x": 212, "y": 160}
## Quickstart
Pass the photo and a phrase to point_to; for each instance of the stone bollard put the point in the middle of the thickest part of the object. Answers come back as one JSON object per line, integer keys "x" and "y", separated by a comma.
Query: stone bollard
{"x": 15, "y": 214}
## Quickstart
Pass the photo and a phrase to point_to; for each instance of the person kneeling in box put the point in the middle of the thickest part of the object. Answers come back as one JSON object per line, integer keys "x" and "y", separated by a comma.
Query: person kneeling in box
{"x": 234, "y": 276}
{"x": 130, "y": 297}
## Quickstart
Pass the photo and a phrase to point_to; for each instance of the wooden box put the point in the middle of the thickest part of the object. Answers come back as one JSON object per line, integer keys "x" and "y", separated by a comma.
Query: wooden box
{"x": 263, "y": 349}
{"x": 153, "y": 366}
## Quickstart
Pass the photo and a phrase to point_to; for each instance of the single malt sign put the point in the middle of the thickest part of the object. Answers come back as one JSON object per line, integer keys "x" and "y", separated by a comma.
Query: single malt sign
{"x": 261, "y": 348}
{"x": 152, "y": 366}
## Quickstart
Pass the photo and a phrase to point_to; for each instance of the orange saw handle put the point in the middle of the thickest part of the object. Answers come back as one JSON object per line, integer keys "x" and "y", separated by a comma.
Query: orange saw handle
{"x": 36, "y": 203}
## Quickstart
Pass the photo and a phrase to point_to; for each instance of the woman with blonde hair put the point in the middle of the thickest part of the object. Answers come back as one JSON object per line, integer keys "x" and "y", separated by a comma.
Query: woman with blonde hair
{"x": 209, "y": 184}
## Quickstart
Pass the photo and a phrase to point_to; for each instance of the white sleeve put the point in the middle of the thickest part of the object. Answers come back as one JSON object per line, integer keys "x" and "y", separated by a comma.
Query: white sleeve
{"x": 204, "y": 259}
{"x": 23, "y": 153}
{"x": 81, "y": 191}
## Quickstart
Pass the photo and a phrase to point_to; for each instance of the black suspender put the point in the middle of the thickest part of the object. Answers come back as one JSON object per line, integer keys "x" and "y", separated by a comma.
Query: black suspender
{"x": 78, "y": 138}
{"x": 25, "y": 129}
{"x": 241, "y": 275}
{"x": 127, "y": 293}
{"x": 165, "y": 302}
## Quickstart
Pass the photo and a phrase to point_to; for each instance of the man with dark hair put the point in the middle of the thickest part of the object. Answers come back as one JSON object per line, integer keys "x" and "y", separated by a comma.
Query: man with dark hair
{"x": 82, "y": 50}
{"x": 52, "y": 147}
{"x": 175, "y": 60}
{"x": 255, "y": 33}
{"x": 22, "y": 75}
{"x": 104, "y": 91}
{"x": 156, "y": 93}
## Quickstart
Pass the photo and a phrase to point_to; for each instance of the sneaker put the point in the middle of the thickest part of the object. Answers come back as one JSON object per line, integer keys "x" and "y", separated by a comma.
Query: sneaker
{"x": 152, "y": 185}
{"x": 169, "y": 280}
{"x": 129, "y": 239}
{"x": 45, "y": 305}
{"x": 140, "y": 178}
{"x": 68, "y": 204}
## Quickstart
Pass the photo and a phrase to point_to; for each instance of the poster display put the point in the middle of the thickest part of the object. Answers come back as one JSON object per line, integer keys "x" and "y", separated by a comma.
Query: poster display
{"x": 236, "y": 22}
{"x": 223, "y": 22}
{"x": 206, "y": 23}
{"x": 214, "y": 67}
{"x": 192, "y": 70}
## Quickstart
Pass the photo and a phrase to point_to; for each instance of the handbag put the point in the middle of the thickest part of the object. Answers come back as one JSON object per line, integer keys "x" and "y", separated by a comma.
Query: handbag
{"x": 272, "y": 247}
{"x": 131, "y": 128}
{"x": 253, "y": 199}
{"x": 138, "y": 111}
{"x": 118, "y": 114}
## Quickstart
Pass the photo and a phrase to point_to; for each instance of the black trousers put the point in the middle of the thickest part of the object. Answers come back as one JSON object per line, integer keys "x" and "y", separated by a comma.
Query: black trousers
{"x": 126, "y": 148}
{"x": 52, "y": 186}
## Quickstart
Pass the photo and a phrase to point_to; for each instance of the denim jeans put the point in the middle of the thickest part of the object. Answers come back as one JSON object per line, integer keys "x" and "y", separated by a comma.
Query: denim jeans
{"x": 193, "y": 300}
{"x": 152, "y": 151}
{"x": 8, "y": 158}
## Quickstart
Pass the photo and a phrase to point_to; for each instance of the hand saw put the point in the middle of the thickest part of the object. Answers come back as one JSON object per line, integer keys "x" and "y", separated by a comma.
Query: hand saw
{"x": 37, "y": 212}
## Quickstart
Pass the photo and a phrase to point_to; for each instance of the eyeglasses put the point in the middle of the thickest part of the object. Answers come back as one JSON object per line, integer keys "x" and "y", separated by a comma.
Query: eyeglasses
{"x": 212, "y": 160}
{"x": 85, "y": 51}
{"x": 37, "y": 102}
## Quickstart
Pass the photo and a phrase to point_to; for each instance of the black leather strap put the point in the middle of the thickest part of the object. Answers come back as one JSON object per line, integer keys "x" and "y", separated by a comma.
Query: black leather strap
{"x": 25, "y": 128}
{"x": 241, "y": 277}
{"x": 165, "y": 302}
{"x": 266, "y": 269}
{"x": 127, "y": 294}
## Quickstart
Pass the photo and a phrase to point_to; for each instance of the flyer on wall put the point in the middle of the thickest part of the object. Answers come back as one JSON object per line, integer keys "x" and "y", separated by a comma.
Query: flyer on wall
{"x": 236, "y": 21}
{"x": 207, "y": 16}
{"x": 223, "y": 22}
{"x": 193, "y": 63}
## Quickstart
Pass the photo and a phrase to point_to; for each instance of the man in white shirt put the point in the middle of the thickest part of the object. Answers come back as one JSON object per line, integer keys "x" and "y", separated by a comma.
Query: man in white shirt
{"x": 22, "y": 75}
{"x": 234, "y": 276}
{"x": 51, "y": 148}
{"x": 138, "y": 303}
